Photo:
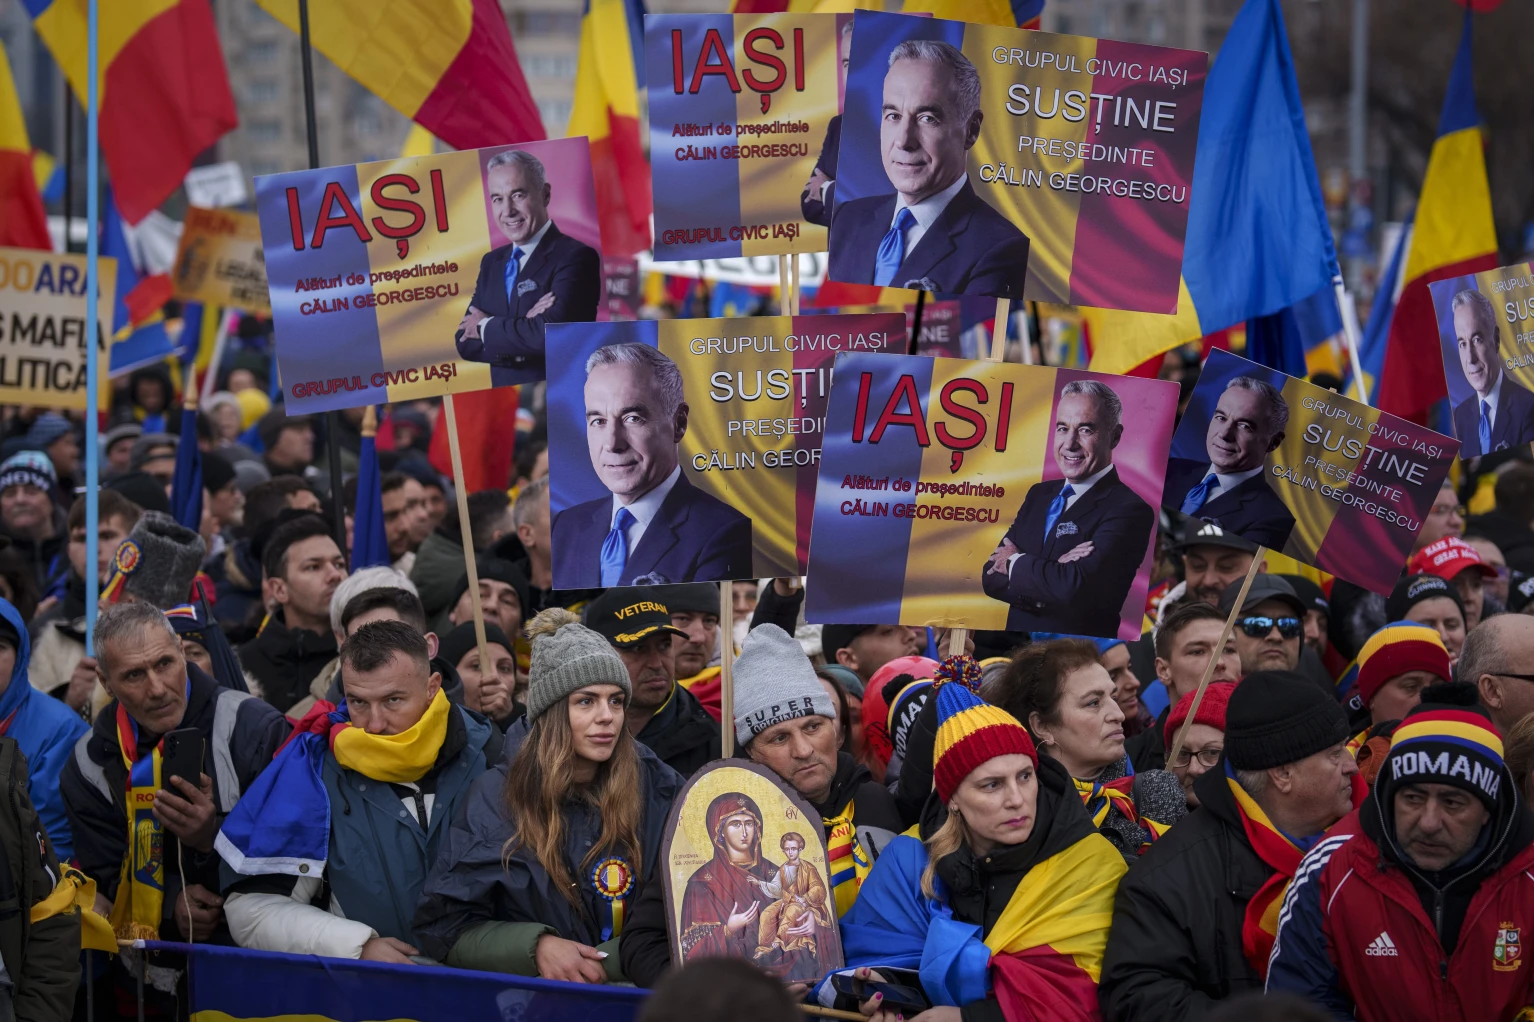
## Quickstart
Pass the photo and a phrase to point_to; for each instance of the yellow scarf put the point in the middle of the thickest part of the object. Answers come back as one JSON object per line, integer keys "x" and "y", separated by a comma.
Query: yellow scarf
{"x": 141, "y": 882}
{"x": 395, "y": 759}
{"x": 848, "y": 862}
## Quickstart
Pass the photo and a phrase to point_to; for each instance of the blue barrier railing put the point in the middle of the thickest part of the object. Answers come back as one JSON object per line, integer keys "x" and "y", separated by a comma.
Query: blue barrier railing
{"x": 230, "y": 983}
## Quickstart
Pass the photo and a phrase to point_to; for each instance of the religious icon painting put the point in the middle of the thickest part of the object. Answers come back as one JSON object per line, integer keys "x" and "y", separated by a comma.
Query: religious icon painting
{"x": 747, "y": 875}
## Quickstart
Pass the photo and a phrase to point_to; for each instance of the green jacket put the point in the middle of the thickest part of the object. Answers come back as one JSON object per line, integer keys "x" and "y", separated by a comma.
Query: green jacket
{"x": 438, "y": 567}
{"x": 42, "y": 959}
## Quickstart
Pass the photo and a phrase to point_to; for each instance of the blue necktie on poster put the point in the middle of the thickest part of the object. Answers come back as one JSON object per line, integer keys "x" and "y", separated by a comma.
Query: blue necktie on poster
{"x": 892, "y": 248}
{"x": 615, "y": 548}
{"x": 1056, "y": 509}
{"x": 513, "y": 266}
{"x": 1199, "y": 495}
{"x": 1485, "y": 428}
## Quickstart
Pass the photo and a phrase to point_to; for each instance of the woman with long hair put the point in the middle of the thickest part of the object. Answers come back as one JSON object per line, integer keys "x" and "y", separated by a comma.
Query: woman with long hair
{"x": 534, "y": 877}
{"x": 1003, "y": 905}
{"x": 1062, "y": 693}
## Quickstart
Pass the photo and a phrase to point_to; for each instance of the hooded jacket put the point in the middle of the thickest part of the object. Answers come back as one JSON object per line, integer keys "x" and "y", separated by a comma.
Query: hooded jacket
{"x": 646, "y": 945}
{"x": 240, "y": 735}
{"x": 1175, "y": 948}
{"x": 1368, "y": 936}
{"x": 1058, "y": 884}
{"x": 46, "y": 730}
{"x": 470, "y": 887}
{"x": 285, "y": 660}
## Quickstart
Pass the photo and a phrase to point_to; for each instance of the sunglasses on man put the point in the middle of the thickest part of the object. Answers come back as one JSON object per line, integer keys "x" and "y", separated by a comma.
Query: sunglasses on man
{"x": 1258, "y": 626}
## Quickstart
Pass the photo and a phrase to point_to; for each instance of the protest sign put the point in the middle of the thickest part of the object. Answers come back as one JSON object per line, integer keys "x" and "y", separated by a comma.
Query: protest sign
{"x": 620, "y": 286}
{"x": 1079, "y": 160}
{"x": 736, "y": 464}
{"x": 940, "y": 496}
{"x": 395, "y": 280}
{"x": 219, "y": 260}
{"x": 734, "y": 811}
{"x": 1305, "y": 471}
{"x": 1486, "y": 329}
{"x": 743, "y": 110}
{"x": 42, "y": 325}
{"x": 940, "y": 329}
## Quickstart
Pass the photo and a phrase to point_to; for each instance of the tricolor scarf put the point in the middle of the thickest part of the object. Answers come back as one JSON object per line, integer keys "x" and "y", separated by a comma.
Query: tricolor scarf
{"x": 1280, "y": 852}
{"x": 1102, "y": 797}
{"x": 846, "y": 859}
{"x": 141, "y": 884}
{"x": 282, "y": 823}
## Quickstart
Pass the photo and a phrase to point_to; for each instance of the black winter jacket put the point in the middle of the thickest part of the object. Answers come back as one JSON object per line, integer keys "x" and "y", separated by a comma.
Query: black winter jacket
{"x": 469, "y": 886}
{"x": 682, "y": 733}
{"x": 240, "y": 735}
{"x": 285, "y": 660}
{"x": 1175, "y": 947}
{"x": 646, "y": 946}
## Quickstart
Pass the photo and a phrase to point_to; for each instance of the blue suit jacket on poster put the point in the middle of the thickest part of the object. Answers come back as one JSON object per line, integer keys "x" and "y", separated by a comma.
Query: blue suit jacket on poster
{"x": 1085, "y": 596}
{"x": 970, "y": 248}
{"x": 693, "y": 537}
{"x": 1511, "y": 426}
{"x": 1252, "y": 510}
{"x": 817, "y": 208}
{"x": 570, "y": 269}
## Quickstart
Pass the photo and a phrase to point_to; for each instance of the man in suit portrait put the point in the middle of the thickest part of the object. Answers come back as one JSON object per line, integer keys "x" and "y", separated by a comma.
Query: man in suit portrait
{"x": 1071, "y": 554}
{"x": 933, "y": 233}
{"x": 819, "y": 195}
{"x": 656, "y": 527}
{"x": 1229, "y": 489}
{"x": 542, "y": 276}
{"x": 1500, "y": 413}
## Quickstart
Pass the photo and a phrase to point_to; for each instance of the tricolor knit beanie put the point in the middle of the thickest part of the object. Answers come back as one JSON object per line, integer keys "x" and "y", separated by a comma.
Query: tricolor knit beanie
{"x": 774, "y": 681}
{"x": 1446, "y": 739}
{"x": 1279, "y": 717}
{"x": 568, "y": 656}
{"x": 1394, "y": 650}
{"x": 971, "y": 732}
{"x": 1211, "y": 709}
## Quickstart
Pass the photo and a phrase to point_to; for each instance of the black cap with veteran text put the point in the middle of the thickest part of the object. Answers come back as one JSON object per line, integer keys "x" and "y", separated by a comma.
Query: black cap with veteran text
{"x": 627, "y": 615}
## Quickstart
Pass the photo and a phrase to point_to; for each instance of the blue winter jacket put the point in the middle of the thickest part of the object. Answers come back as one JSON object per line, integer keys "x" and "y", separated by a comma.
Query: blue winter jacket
{"x": 46, "y": 730}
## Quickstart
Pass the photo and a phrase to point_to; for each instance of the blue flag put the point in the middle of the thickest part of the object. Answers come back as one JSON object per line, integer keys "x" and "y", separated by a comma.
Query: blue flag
{"x": 186, "y": 484}
{"x": 370, "y": 543}
{"x": 1371, "y": 350}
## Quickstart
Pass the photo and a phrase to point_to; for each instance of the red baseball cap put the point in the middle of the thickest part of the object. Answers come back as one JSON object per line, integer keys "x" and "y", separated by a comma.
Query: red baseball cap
{"x": 1448, "y": 557}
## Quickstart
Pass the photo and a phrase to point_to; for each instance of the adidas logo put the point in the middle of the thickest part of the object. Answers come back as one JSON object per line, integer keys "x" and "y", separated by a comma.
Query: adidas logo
{"x": 1382, "y": 947}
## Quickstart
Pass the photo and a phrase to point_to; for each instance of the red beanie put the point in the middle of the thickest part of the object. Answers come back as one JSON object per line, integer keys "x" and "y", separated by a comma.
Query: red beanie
{"x": 1211, "y": 709}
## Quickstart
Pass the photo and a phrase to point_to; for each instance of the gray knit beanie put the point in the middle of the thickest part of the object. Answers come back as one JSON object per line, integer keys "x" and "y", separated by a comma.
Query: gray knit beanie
{"x": 568, "y": 656}
{"x": 774, "y": 682}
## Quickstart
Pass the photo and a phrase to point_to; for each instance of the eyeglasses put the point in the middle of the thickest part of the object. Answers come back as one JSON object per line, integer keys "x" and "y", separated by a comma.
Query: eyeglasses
{"x": 1210, "y": 758}
{"x": 1259, "y": 627}
{"x": 1444, "y": 510}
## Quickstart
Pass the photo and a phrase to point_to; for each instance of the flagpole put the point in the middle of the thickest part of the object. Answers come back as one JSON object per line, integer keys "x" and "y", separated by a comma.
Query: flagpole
{"x": 1349, "y": 313}
{"x": 92, "y": 327}
{"x": 332, "y": 419}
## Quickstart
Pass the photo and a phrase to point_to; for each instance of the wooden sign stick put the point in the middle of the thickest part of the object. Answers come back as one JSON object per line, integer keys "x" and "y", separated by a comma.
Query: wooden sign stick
{"x": 726, "y": 664}
{"x": 466, "y": 527}
{"x": 1214, "y": 656}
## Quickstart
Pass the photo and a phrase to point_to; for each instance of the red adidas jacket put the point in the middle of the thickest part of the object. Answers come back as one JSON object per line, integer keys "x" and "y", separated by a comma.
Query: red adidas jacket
{"x": 1353, "y": 936}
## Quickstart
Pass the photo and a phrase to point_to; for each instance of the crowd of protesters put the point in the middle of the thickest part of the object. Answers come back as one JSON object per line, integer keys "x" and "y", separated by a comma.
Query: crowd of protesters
{"x": 1018, "y": 830}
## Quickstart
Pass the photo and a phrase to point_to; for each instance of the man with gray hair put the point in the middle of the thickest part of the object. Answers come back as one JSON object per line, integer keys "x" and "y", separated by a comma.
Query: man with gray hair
{"x": 543, "y": 276}
{"x": 123, "y": 761}
{"x": 1498, "y": 414}
{"x": 656, "y": 527}
{"x": 933, "y": 232}
{"x": 1070, "y": 556}
{"x": 1231, "y": 489}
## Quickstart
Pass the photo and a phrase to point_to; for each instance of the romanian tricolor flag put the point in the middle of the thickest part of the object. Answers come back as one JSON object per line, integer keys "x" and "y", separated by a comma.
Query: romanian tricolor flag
{"x": 449, "y": 65}
{"x": 164, "y": 92}
{"x": 1454, "y": 236}
{"x": 606, "y": 111}
{"x": 1258, "y": 238}
{"x": 1011, "y": 13}
{"x": 23, "y": 222}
